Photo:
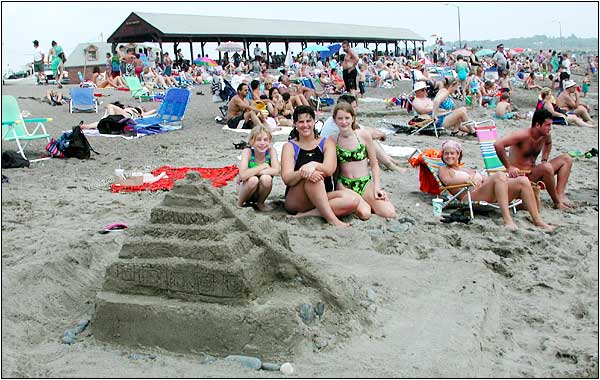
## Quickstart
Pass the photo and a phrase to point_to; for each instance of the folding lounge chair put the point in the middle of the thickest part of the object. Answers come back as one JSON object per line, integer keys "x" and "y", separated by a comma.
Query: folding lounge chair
{"x": 14, "y": 126}
{"x": 487, "y": 135}
{"x": 137, "y": 91}
{"x": 171, "y": 111}
{"x": 323, "y": 101}
{"x": 82, "y": 100}
{"x": 434, "y": 165}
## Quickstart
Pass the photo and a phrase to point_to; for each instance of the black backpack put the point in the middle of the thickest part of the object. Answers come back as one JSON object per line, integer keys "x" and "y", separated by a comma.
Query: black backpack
{"x": 79, "y": 146}
{"x": 116, "y": 125}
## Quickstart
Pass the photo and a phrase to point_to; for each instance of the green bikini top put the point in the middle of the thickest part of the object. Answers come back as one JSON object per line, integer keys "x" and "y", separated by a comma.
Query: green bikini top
{"x": 252, "y": 163}
{"x": 345, "y": 155}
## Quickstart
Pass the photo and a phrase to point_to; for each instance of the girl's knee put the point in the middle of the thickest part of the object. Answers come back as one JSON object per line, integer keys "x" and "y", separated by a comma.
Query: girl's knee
{"x": 363, "y": 211}
{"x": 266, "y": 180}
{"x": 252, "y": 181}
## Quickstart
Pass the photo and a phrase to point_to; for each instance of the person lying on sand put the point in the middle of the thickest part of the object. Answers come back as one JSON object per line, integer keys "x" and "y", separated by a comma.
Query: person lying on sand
{"x": 119, "y": 109}
{"x": 525, "y": 146}
{"x": 55, "y": 98}
{"x": 307, "y": 164}
{"x": 258, "y": 166}
{"x": 497, "y": 188}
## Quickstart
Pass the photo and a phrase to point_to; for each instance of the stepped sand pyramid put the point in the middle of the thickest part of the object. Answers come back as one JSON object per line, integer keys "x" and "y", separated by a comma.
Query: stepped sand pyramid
{"x": 198, "y": 278}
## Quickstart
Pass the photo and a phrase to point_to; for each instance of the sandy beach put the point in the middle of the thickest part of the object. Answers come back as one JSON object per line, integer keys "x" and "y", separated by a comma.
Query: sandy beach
{"x": 439, "y": 300}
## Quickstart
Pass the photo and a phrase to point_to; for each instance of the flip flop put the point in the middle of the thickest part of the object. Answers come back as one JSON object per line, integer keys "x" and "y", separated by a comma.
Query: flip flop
{"x": 113, "y": 227}
{"x": 591, "y": 153}
{"x": 576, "y": 153}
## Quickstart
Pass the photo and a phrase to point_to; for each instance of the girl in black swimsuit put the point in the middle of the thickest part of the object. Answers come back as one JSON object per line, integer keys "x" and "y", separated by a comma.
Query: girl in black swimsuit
{"x": 307, "y": 163}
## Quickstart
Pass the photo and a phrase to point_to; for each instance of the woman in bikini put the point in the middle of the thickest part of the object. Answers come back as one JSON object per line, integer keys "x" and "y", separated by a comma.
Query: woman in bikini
{"x": 307, "y": 163}
{"x": 444, "y": 113}
{"x": 353, "y": 147}
{"x": 258, "y": 166}
{"x": 498, "y": 188}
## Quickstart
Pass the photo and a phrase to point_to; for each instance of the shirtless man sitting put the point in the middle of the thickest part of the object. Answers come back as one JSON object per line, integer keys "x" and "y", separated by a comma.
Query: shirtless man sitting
{"x": 568, "y": 100}
{"x": 239, "y": 109}
{"x": 525, "y": 146}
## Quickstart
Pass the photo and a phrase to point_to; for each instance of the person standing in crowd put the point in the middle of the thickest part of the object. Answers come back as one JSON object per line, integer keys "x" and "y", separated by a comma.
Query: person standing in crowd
{"x": 38, "y": 61}
{"x": 500, "y": 59}
{"x": 349, "y": 72}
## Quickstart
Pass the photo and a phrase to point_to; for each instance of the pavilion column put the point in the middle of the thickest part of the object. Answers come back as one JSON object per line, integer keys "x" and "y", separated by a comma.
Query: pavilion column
{"x": 396, "y": 49}
{"x": 268, "y": 56}
{"x": 415, "y": 50}
{"x": 406, "y": 48}
{"x": 202, "y": 47}
{"x": 114, "y": 47}
{"x": 287, "y": 47}
{"x": 423, "y": 45}
{"x": 246, "y": 45}
{"x": 191, "y": 52}
{"x": 376, "y": 48}
{"x": 175, "y": 45}
{"x": 162, "y": 52}
{"x": 220, "y": 59}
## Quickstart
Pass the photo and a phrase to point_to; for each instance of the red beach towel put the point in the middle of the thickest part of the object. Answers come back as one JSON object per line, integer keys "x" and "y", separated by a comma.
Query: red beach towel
{"x": 218, "y": 177}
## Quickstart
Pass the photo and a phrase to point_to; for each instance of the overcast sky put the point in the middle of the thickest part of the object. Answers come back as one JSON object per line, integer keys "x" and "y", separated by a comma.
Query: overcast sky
{"x": 73, "y": 23}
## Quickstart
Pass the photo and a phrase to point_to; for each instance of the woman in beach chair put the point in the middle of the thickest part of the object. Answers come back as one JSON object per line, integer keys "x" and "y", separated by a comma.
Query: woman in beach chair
{"x": 547, "y": 101}
{"x": 258, "y": 166}
{"x": 356, "y": 152}
{"x": 498, "y": 188}
{"x": 444, "y": 113}
{"x": 307, "y": 164}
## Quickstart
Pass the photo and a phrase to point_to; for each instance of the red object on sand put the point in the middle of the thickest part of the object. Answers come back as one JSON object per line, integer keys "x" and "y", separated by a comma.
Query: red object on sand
{"x": 218, "y": 176}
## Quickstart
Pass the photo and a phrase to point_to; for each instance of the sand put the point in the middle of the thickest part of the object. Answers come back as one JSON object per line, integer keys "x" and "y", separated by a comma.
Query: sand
{"x": 440, "y": 300}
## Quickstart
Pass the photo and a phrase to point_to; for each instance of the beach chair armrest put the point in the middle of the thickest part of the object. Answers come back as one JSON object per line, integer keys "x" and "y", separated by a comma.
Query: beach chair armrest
{"x": 11, "y": 122}
{"x": 461, "y": 185}
{"x": 38, "y": 120}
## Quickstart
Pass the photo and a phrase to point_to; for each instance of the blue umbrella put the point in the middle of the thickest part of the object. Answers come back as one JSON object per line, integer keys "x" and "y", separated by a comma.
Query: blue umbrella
{"x": 315, "y": 48}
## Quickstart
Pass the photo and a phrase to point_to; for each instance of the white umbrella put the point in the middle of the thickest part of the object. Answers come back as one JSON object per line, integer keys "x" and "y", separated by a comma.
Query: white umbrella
{"x": 149, "y": 45}
{"x": 361, "y": 50}
{"x": 230, "y": 47}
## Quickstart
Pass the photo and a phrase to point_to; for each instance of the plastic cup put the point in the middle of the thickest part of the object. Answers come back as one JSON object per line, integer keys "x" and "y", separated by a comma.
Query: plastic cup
{"x": 437, "y": 206}
{"x": 119, "y": 175}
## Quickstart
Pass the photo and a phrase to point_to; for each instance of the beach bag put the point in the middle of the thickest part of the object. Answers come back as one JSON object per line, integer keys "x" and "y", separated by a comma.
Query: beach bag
{"x": 12, "y": 159}
{"x": 78, "y": 146}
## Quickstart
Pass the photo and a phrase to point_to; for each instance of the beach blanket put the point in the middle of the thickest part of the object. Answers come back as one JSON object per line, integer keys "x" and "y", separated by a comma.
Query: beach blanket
{"x": 284, "y": 130}
{"x": 141, "y": 132}
{"x": 218, "y": 176}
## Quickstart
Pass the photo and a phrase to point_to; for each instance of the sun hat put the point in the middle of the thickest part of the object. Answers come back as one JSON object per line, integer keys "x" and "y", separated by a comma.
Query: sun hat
{"x": 569, "y": 84}
{"x": 419, "y": 86}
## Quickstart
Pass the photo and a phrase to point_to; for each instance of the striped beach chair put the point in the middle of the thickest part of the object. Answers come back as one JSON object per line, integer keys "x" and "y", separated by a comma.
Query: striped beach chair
{"x": 452, "y": 200}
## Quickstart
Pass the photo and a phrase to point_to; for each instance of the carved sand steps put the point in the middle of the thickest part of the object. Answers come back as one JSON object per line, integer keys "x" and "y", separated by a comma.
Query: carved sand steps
{"x": 198, "y": 277}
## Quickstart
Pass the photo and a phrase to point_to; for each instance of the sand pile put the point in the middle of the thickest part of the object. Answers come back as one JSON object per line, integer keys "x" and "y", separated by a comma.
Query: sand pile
{"x": 417, "y": 298}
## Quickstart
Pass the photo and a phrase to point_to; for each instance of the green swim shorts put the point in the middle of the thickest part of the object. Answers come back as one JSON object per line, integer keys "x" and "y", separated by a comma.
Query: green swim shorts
{"x": 358, "y": 185}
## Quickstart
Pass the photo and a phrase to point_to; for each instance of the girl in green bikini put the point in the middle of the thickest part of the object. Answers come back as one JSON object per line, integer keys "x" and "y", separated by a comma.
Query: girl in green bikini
{"x": 258, "y": 166}
{"x": 353, "y": 147}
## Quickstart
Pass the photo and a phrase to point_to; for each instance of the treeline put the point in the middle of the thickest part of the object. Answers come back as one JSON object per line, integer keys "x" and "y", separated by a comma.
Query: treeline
{"x": 537, "y": 42}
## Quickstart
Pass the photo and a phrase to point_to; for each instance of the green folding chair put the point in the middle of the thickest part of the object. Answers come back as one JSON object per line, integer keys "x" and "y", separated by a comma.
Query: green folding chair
{"x": 14, "y": 126}
{"x": 137, "y": 90}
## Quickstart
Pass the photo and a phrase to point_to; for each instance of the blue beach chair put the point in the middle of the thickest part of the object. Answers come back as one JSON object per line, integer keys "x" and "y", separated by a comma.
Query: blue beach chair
{"x": 171, "y": 111}
{"x": 82, "y": 100}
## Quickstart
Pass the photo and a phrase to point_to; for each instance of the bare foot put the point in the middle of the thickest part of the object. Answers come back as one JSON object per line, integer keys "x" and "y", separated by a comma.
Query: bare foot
{"x": 562, "y": 206}
{"x": 545, "y": 226}
{"x": 313, "y": 212}
{"x": 264, "y": 207}
{"x": 511, "y": 226}
{"x": 568, "y": 203}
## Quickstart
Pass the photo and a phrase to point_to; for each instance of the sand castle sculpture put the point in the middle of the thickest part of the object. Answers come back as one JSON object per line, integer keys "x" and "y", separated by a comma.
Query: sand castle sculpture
{"x": 198, "y": 278}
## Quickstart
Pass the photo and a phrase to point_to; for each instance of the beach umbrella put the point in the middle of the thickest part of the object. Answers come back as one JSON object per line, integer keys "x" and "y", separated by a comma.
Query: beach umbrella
{"x": 205, "y": 61}
{"x": 315, "y": 48}
{"x": 516, "y": 50}
{"x": 230, "y": 47}
{"x": 484, "y": 52}
{"x": 463, "y": 52}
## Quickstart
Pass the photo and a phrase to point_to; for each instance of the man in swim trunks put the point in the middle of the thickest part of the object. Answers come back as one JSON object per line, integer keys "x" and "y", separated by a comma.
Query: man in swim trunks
{"x": 568, "y": 100}
{"x": 239, "y": 109}
{"x": 349, "y": 72}
{"x": 525, "y": 146}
